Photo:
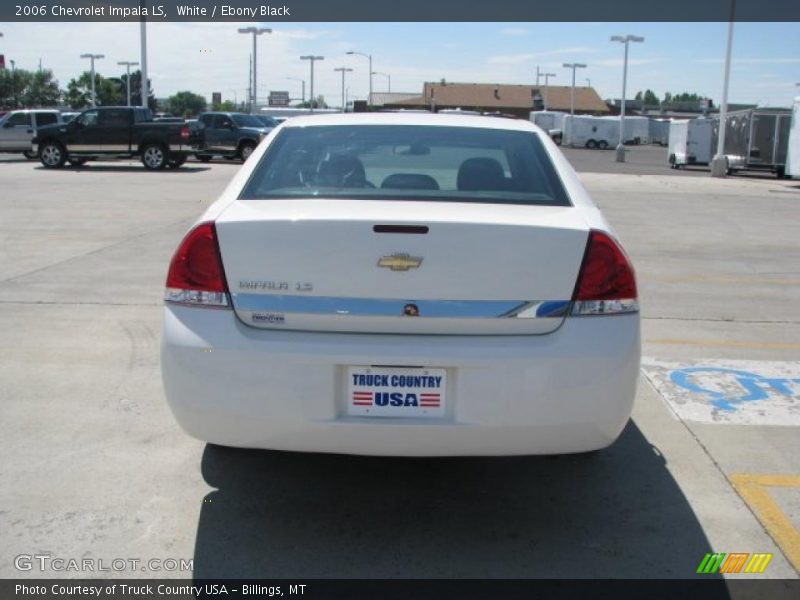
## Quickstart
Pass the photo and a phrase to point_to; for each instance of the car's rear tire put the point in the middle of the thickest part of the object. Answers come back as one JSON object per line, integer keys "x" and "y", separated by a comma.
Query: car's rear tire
{"x": 154, "y": 157}
{"x": 591, "y": 144}
{"x": 52, "y": 155}
{"x": 602, "y": 144}
{"x": 30, "y": 154}
{"x": 245, "y": 150}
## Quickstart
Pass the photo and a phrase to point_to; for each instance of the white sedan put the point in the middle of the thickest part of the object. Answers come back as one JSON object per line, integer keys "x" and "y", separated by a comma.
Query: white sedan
{"x": 403, "y": 284}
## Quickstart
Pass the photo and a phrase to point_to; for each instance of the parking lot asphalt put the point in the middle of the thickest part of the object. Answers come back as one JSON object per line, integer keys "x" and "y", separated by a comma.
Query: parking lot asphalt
{"x": 94, "y": 465}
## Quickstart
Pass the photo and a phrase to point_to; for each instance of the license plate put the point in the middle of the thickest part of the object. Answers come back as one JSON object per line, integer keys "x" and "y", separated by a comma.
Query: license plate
{"x": 396, "y": 392}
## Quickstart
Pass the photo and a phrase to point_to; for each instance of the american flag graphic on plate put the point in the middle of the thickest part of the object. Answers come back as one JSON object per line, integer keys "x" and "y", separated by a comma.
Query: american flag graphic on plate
{"x": 396, "y": 392}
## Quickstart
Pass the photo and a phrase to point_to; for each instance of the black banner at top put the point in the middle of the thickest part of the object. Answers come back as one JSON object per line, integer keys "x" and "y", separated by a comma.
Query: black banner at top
{"x": 393, "y": 10}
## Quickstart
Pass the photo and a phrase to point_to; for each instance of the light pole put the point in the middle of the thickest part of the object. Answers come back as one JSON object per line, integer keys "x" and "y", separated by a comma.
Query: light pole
{"x": 389, "y": 77}
{"x": 144, "y": 82}
{"x": 588, "y": 82}
{"x": 128, "y": 64}
{"x": 312, "y": 59}
{"x": 303, "y": 81}
{"x": 572, "y": 66}
{"x": 343, "y": 70}
{"x": 368, "y": 56}
{"x": 256, "y": 31}
{"x": 14, "y": 80}
{"x": 93, "y": 57}
{"x": 719, "y": 164}
{"x": 547, "y": 77}
{"x": 626, "y": 39}
{"x": 538, "y": 74}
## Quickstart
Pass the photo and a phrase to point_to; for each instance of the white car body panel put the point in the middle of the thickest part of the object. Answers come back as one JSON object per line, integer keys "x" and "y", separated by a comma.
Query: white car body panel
{"x": 537, "y": 386}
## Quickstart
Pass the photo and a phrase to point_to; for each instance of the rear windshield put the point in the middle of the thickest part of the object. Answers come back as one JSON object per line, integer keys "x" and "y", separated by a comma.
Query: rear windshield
{"x": 407, "y": 162}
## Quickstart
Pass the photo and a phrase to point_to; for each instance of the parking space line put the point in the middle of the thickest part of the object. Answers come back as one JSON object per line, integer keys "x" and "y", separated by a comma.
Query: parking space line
{"x": 753, "y": 490}
{"x": 726, "y": 343}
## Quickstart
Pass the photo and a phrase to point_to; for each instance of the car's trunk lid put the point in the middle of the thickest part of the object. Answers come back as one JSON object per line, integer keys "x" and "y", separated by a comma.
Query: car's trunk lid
{"x": 401, "y": 267}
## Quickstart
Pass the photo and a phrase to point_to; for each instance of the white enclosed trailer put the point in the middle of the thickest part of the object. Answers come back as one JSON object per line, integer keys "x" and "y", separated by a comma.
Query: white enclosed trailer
{"x": 591, "y": 132}
{"x": 548, "y": 119}
{"x": 793, "y": 149}
{"x": 690, "y": 142}
{"x": 659, "y": 131}
{"x": 637, "y": 129}
{"x": 552, "y": 121}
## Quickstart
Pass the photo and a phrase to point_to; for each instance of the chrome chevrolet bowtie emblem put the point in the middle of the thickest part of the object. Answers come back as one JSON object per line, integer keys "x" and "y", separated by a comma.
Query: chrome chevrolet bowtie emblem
{"x": 400, "y": 262}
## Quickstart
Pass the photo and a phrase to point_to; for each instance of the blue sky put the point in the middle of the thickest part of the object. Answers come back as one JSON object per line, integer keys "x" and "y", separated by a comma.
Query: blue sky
{"x": 206, "y": 57}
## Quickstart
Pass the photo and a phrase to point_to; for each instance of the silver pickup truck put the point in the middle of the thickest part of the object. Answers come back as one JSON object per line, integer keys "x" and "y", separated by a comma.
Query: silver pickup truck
{"x": 18, "y": 127}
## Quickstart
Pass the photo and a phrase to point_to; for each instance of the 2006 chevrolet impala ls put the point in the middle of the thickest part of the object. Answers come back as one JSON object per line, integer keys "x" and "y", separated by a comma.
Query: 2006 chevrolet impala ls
{"x": 403, "y": 284}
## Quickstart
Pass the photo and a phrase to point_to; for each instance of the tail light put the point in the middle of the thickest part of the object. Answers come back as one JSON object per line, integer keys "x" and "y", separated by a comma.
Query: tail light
{"x": 195, "y": 273}
{"x": 185, "y": 132}
{"x": 606, "y": 282}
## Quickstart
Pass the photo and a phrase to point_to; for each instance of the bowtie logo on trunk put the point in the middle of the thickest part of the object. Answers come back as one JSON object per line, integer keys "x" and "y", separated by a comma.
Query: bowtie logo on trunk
{"x": 400, "y": 262}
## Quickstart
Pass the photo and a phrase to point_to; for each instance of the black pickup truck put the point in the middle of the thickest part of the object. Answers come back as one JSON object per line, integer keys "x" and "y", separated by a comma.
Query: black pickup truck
{"x": 117, "y": 132}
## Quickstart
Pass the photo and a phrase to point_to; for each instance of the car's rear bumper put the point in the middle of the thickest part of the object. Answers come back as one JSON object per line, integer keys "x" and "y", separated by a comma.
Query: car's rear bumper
{"x": 568, "y": 391}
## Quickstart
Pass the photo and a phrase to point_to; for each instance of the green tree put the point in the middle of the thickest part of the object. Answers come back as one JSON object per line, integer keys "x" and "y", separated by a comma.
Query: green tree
{"x": 136, "y": 89}
{"x": 226, "y": 106}
{"x": 650, "y": 98}
{"x": 12, "y": 86}
{"x": 79, "y": 91}
{"x": 186, "y": 104}
{"x": 319, "y": 102}
{"x": 42, "y": 90}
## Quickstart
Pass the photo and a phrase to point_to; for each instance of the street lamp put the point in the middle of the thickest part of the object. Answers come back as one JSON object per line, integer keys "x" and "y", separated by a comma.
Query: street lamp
{"x": 627, "y": 39}
{"x": 303, "y": 81}
{"x": 312, "y": 58}
{"x": 368, "y": 56}
{"x": 547, "y": 77}
{"x": 588, "y": 82}
{"x": 256, "y": 31}
{"x": 343, "y": 71}
{"x": 144, "y": 82}
{"x": 719, "y": 164}
{"x": 389, "y": 77}
{"x": 14, "y": 81}
{"x": 128, "y": 64}
{"x": 93, "y": 57}
{"x": 572, "y": 66}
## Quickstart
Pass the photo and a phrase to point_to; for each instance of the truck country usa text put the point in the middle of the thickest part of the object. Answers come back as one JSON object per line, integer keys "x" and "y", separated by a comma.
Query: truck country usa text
{"x": 397, "y": 381}
{"x": 265, "y": 10}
